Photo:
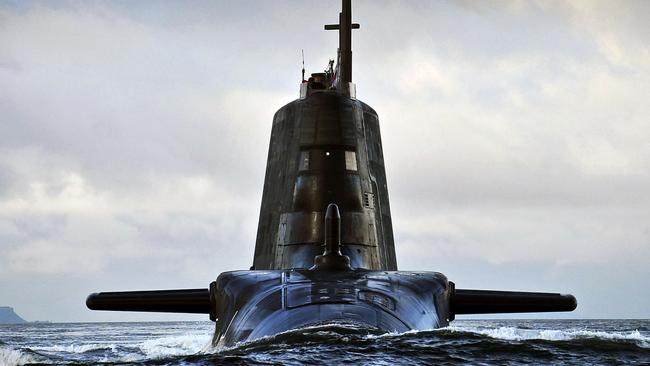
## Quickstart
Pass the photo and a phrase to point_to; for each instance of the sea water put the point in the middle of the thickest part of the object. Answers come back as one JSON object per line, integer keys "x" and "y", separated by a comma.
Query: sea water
{"x": 475, "y": 342}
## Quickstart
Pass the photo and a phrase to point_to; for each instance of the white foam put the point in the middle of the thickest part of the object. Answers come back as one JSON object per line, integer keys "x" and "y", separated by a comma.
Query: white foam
{"x": 397, "y": 334}
{"x": 75, "y": 348}
{"x": 175, "y": 346}
{"x": 183, "y": 345}
{"x": 518, "y": 334}
{"x": 14, "y": 357}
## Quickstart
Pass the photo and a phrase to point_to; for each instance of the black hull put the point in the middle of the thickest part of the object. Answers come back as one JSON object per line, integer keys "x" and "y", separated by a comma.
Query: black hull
{"x": 255, "y": 304}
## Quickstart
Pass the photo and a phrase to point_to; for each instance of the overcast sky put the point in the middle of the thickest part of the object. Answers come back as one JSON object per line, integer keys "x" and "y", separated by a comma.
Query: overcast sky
{"x": 133, "y": 142}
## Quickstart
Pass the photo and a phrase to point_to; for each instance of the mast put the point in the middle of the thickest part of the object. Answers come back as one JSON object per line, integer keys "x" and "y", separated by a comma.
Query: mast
{"x": 344, "y": 27}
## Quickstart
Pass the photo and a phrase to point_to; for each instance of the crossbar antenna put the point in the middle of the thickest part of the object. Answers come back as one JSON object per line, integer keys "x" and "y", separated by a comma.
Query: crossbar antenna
{"x": 344, "y": 27}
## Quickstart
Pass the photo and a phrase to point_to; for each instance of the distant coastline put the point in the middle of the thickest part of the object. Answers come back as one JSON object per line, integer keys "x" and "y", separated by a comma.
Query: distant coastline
{"x": 9, "y": 316}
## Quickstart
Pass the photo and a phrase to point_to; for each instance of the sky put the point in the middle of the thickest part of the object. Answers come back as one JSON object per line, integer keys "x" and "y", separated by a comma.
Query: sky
{"x": 134, "y": 138}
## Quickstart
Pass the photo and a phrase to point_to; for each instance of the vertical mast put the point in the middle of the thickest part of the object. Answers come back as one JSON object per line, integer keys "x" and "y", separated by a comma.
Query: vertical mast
{"x": 344, "y": 27}
{"x": 345, "y": 41}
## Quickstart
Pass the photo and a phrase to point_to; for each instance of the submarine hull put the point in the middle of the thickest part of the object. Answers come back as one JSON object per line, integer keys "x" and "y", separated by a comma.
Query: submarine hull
{"x": 255, "y": 304}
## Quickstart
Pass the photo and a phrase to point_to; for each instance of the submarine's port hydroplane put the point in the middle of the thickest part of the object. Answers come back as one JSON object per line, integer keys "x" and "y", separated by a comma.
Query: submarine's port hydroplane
{"x": 324, "y": 250}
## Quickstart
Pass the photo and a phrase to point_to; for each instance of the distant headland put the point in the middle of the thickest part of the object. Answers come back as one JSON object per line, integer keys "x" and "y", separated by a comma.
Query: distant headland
{"x": 8, "y": 316}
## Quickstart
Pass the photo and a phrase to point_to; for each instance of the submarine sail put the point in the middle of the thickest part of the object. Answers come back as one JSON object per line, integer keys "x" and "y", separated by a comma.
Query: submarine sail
{"x": 325, "y": 148}
{"x": 325, "y": 250}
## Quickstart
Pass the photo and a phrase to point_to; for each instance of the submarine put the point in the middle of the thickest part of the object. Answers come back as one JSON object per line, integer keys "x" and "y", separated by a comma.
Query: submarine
{"x": 325, "y": 251}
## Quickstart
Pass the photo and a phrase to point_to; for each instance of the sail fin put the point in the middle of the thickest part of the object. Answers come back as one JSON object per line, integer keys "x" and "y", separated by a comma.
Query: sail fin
{"x": 465, "y": 301}
{"x": 197, "y": 301}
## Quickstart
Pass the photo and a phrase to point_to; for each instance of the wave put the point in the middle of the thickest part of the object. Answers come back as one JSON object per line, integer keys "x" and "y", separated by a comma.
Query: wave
{"x": 153, "y": 349}
{"x": 521, "y": 334}
{"x": 175, "y": 346}
{"x": 77, "y": 348}
{"x": 351, "y": 343}
{"x": 346, "y": 332}
{"x": 332, "y": 332}
{"x": 447, "y": 340}
{"x": 14, "y": 357}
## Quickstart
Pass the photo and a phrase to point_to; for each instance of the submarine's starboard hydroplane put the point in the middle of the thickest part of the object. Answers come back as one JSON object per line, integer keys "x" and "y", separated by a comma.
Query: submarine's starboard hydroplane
{"x": 324, "y": 250}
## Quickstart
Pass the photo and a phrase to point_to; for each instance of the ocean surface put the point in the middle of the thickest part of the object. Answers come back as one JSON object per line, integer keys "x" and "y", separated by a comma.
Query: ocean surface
{"x": 476, "y": 342}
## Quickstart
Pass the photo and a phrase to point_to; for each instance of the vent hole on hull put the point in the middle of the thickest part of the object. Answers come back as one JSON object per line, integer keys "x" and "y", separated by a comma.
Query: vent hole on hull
{"x": 369, "y": 200}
